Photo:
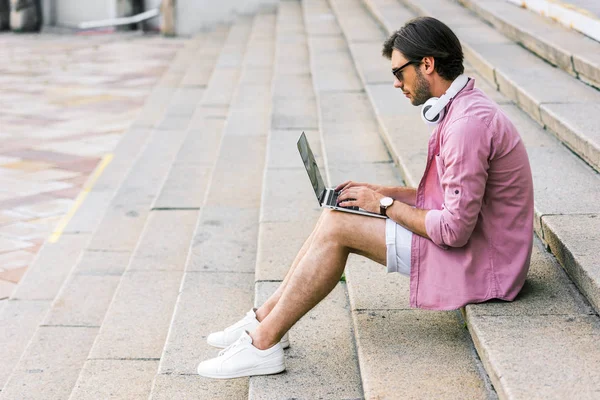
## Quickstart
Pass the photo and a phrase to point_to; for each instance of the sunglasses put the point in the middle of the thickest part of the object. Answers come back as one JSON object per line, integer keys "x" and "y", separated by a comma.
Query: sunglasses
{"x": 398, "y": 71}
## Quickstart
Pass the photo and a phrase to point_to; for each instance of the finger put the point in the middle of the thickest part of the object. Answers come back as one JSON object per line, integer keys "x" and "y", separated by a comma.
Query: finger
{"x": 346, "y": 194}
{"x": 341, "y": 186}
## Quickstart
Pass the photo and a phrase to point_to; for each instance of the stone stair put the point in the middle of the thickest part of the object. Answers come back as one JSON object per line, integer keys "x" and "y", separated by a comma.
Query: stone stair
{"x": 206, "y": 203}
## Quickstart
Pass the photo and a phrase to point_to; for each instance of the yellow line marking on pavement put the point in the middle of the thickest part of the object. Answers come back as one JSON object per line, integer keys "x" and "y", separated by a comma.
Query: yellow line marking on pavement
{"x": 80, "y": 198}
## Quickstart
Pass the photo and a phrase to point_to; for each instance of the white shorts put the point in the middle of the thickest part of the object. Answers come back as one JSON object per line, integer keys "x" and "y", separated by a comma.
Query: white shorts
{"x": 398, "y": 241}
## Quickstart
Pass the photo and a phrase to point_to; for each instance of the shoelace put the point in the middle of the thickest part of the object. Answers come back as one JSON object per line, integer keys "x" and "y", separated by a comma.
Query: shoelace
{"x": 230, "y": 347}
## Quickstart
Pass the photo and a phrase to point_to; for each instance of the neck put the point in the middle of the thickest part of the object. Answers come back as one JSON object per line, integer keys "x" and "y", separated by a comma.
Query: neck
{"x": 439, "y": 87}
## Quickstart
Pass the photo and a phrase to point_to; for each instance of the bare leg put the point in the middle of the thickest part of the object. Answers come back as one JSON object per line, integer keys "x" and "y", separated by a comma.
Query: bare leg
{"x": 319, "y": 270}
{"x": 268, "y": 305}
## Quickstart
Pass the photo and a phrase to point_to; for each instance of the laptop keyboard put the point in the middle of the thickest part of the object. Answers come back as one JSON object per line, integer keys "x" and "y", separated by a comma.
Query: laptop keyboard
{"x": 333, "y": 202}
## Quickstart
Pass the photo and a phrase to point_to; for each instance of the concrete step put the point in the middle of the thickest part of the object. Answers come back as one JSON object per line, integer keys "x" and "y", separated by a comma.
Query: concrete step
{"x": 565, "y": 48}
{"x": 399, "y": 357}
{"x": 31, "y": 301}
{"x": 321, "y": 361}
{"x": 149, "y": 289}
{"x": 544, "y": 345}
{"x": 219, "y": 272}
{"x": 91, "y": 280}
{"x": 548, "y": 290}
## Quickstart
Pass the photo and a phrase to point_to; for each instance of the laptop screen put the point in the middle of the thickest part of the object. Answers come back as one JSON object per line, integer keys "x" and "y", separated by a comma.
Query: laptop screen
{"x": 311, "y": 166}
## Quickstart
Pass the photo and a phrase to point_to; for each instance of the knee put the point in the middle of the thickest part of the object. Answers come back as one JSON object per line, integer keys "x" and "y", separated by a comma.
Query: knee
{"x": 331, "y": 226}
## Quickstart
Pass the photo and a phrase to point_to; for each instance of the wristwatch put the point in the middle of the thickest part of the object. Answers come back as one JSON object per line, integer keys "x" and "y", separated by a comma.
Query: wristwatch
{"x": 384, "y": 203}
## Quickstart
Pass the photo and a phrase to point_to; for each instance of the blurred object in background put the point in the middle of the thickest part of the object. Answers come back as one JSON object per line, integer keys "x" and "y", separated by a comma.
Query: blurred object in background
{"x": 25, "y": 15}
{"x": 4, "y": 15}
{"x": 167, "y": 21}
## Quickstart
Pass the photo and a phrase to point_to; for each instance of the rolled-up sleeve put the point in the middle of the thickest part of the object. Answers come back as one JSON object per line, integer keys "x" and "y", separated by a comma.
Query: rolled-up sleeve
{"x": 465, "y": 151}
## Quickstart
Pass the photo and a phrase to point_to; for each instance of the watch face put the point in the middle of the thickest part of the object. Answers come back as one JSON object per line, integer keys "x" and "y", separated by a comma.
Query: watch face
{"x": 386, "y": 201}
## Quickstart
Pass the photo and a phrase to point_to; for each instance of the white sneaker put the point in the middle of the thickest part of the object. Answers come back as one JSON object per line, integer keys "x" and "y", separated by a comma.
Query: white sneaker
{"x": 232, "y": 333}
{"x": 243, "y": 359}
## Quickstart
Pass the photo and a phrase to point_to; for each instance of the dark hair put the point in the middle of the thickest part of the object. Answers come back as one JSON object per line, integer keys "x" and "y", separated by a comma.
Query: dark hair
{"x": 428, "y": 37}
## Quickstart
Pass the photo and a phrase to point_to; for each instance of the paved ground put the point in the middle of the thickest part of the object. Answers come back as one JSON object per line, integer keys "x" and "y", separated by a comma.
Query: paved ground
{"x": 65, "y": 100}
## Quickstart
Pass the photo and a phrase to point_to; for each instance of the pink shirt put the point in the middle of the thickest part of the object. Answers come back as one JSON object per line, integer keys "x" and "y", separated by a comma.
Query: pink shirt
{"x": 479, "y": 189}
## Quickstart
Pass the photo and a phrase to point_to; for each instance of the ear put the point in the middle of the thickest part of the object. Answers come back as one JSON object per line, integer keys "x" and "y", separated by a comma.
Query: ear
{"x": 429, "y": 65}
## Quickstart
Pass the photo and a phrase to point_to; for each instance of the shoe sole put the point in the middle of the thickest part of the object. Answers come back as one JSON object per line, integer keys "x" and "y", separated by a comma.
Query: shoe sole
{"x": 284, "y": 345}
{"x": 249, "y": 372}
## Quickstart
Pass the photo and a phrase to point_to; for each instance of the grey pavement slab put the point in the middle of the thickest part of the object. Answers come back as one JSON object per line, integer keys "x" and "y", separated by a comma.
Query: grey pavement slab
{"x": 90, "y": 213}
{"x": 278, "y": 245}
{"x": 296, "y": 62}
{"x": 185, "y": 100}
{"x": 120, "y": 228}
{"x": 370, "y": 286}
{"x": 154, "y": 108}
{"x": 19, "y": 320}
{"x": 237, "y": 151}
{"x": 329, "y": 72}
{"x": 587, "y": 66}
{"x": 115, "y": 379}
{"x": 221, "y": 86}
{"x": 248, "y": 122}
{"x": 209, "y": 302}
{"x": 49, "y": 367}
{"x": 370, "y": 64}
{"x": 233, "y": 49}
{"x": 416, "y": 354}
{"x": 138, "y": 319}
{"x": 50, "y": 268}
{"x": 83, "y": 301}
{"x": 185, "y": 187}
{"x": 288, "y": 196}
{"x": 321, "y": 361}
{"x": 294, "y": 113}
{"x": 192, "y": 387}
{"x": 356, "y": 24}
{"x": 548, "y": 163}
{"x": 385, "y": 174}
{"x": 350, "y": 134}
{"x": 574, "y": 239}
{"x": 237, "y": 183}
{"x": 130, "y": 147}
{"x": 127, "y": 212}
{"x": 388, "y": 14}
{"x": 562, "y": 355}
{"x": 200, "y": 67}
{"x": 547, "y": 291}
{"x": 294, "y": 86}
{"x": 260, "y": 52}
{"x": 201, "y": 146}
{"x": 174, "y": 122}
{"x": 225, "y": 240}
{"x": 251, "y": 98}
{"x": 527, "y": 28}
{"x": 559, "y": 45}
{"x": 102, "y": 263}
{"x": 283, "y": 151}
{"x": 259, "y": 76}
{"x": 318, "y": 19}
{"x": 166, "y": 241}
{"x": 573, "y": 126}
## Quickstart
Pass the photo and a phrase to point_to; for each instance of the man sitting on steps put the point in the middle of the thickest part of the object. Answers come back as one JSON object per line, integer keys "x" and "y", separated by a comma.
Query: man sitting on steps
{"x": 463, "y": 236}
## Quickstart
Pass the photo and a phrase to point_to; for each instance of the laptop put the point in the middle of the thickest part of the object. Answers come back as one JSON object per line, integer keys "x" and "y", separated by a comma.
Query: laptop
{"x": 327, "y": 197}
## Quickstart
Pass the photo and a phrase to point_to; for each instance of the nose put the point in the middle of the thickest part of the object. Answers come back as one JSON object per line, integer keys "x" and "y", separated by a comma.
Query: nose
{"x": 397, "y": 83}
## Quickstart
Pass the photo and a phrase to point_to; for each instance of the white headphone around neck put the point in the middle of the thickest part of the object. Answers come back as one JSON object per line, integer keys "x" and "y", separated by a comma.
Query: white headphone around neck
{"x": 433, "y": 110}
